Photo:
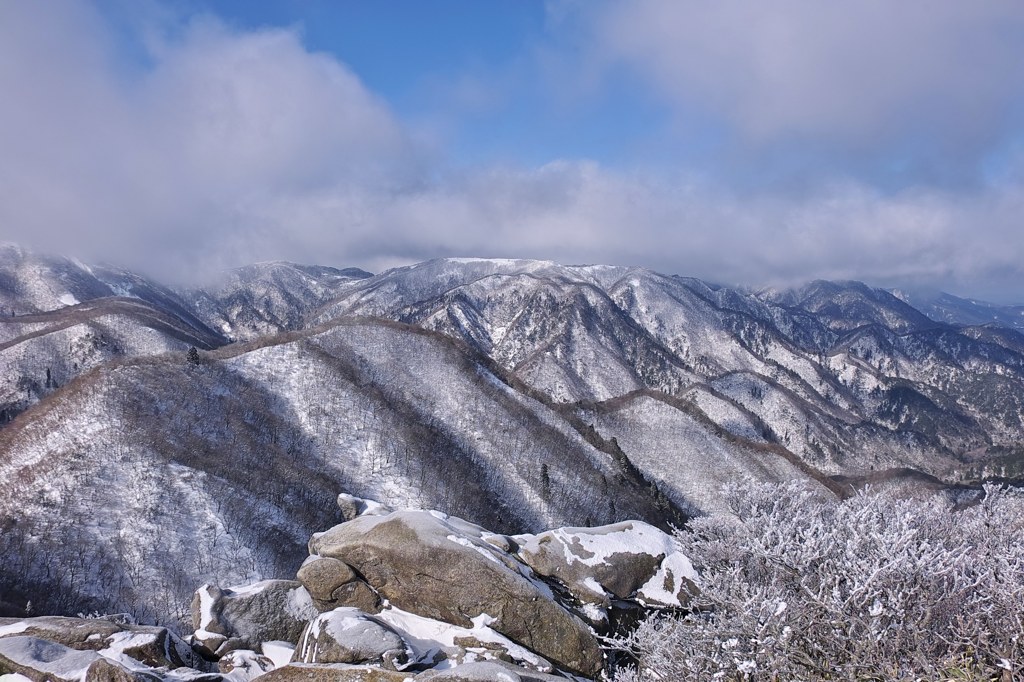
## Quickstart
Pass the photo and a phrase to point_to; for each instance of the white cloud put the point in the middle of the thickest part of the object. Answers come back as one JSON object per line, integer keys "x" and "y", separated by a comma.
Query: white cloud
{"x": 172, "y": 160}
{"x": 856, "y": 73}
{"x": 240, "y": 146}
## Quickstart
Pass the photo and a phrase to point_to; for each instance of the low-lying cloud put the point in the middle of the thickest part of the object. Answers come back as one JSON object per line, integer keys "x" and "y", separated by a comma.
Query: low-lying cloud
{"x": 235, "y": 146}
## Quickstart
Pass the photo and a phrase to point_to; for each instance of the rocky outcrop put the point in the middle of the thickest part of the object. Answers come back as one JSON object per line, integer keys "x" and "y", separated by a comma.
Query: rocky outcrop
{"x": 387, "y": 596}
{"x": 348, "y": 635}
{"x": 40, "y": 659}
{"x": 150, "y": 645}
{"x": 628, "y": 560}
{"x": 245, "y": 617}
{"x": 488, "y": 671}
{"x": 304, "y": 672}
{"x": 440, "y": 567}
{"x": 111, "y": 649}
{"x": 333, "y": 584}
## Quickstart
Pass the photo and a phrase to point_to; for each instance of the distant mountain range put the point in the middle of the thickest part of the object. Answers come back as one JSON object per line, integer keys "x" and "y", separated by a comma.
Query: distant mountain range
{"x": 520, "y": 395}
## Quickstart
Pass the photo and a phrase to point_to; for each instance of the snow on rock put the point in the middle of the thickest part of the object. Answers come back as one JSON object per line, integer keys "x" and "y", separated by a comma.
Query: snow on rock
{"x": 624, "y": 560}
{"x": 488, "y": 671}
{"x": 279, "y": 652}
{"x": 410, "y": 560}
{"x": 131, "y": 645}
{"x": 348, "y": 635}
{"x": 28, "y": 655}
{"x": 244, "y": 617}
{"x": 447, "y": 645}
{"x": 352, "y": 506}
{"x": 243, "y": 665}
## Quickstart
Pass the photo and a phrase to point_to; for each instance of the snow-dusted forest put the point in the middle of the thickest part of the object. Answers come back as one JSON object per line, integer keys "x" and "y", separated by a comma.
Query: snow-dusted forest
{"x": 800, "y": 586}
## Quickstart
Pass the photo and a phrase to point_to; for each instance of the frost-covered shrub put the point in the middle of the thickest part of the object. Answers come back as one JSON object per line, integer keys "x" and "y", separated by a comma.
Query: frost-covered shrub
{"x": 799, "y": 587}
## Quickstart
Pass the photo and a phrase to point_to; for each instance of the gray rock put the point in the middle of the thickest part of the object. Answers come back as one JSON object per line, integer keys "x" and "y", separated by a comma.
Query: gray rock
{"x": 75, "y": 633}
{"x": 440, "y": 567}
{"x": 488, "y": 671}
{"x": 154, "y": 646}
{"x": 348, "y": 635}
{"x": 245, "y": 617}
{"x": 629, "y": 560}
{"x": 105, "y": 670}
{"x": 245, "y": 662}
{"x": 333, "y": 584}
{"x": 352, "y": 507}
{"x": 321, "y": 576}
{"x": 305, "y": 672}
{"x": 41, "y": 660}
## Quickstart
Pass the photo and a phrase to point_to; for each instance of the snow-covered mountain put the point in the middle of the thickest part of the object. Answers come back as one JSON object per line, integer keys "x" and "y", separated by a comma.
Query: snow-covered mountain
{"x": 516, "y": 394}
{"x": 964, "y": 311}
{"x": 266, "y": 298}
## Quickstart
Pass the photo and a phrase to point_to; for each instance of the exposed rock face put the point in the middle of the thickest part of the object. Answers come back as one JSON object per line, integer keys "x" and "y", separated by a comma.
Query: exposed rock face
{"x": 304, "y": 672}
{"x": 488, "y": 671}
{"x": 348, "y": 635}
{"x": 333, "y": 584}
{"x": 245, "y": 664}
{"x": 451, "y": 602}
{"x": 624, "y": 560}
{"x": 439, "y": 567}
{"x": 131, "y": 647}
{"x": 245, "y": 617}
{"x": 43, "y": 660}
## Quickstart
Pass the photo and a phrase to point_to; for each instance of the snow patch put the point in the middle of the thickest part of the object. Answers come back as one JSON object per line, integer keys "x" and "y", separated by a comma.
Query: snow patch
{"x": 278, "y": 652}
{"x": 299, "y": 605}
{"x": 427, "y": 637}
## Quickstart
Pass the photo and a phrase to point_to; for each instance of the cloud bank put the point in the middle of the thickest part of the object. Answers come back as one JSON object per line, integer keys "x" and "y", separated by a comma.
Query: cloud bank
{"x": 231, "y": 146}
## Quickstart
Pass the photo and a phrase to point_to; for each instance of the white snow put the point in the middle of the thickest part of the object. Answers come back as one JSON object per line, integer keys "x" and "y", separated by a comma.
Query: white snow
{"x": 595, "y": 546}
{"x": 427, "y": 636}
{"x": 278, "y": 652}
{"x": 119, "y": 641}
{"x": 14, "y": 628}
{"x": 465, "y": 542}
{"x": 299, "y": 604}
{"x": 68, "y": 299}
{"x": 205, "y": 607}
{"x": 249, "y": 590}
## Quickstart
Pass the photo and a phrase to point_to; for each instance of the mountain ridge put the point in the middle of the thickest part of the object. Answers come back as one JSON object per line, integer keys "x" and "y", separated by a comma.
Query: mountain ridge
{"x": 516, "y": 394}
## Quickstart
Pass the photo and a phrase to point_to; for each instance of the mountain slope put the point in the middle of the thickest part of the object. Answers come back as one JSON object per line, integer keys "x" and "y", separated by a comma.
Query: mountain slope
{"x": 221, "y": 468}
{"x": 849, "y": 378}
{"x": 266, "y": 298}
{"x": 516, "y": 394}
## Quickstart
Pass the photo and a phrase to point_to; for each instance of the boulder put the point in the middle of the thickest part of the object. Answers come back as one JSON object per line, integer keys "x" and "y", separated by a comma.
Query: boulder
{"x": 153, "y": 646}
{"x": 105, "y": 670}
{"x": 333, "y": 584}
{"x": 41, "y": 660}
{"x": 305, "y": 672}
{"x": 122, "y": 645}
{"x": 433, "y": 641}
{"x": 348, "y": 635}
{"x": 489, "y": 671}
{"x": 630, "y": 560}
{"x": 244, "y": 664}
{"x": 75, "y": 633}
{"x": 352, "y": 507}
{"x": 440, "y": 567}
{"x": 245, "y": 617}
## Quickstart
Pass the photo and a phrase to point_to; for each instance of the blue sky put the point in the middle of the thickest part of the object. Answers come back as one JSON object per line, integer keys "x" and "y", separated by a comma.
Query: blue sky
{"x": 738, "y": 141}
